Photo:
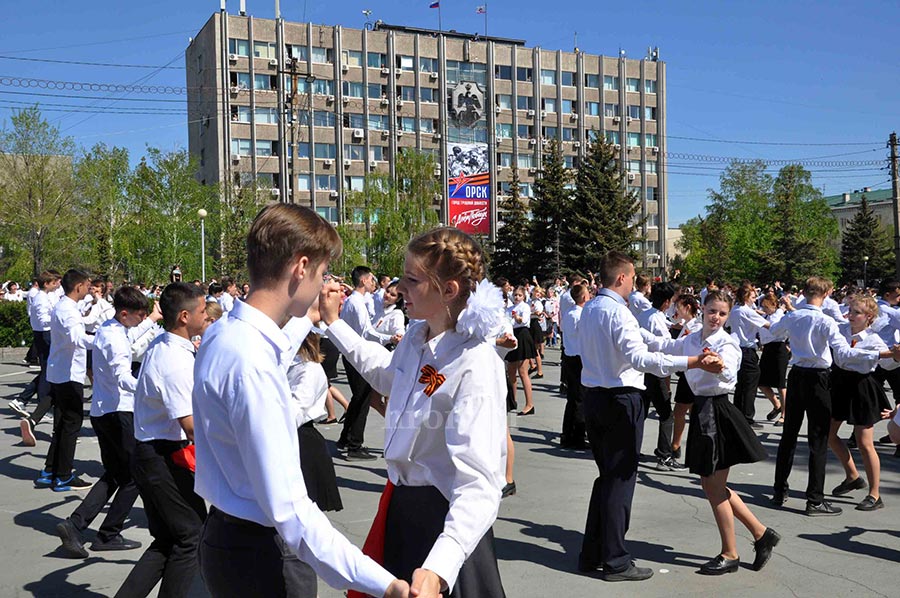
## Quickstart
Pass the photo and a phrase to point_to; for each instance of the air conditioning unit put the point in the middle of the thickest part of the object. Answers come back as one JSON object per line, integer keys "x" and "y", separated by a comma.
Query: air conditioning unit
{"x": 235, "y": 89}
{"x": 345, "y": 68}
{"x": 631, "y": 176}
{"x": 434, "y": 75}
{"x": 235, "y": 158}
{"x": 499, "y": 139}
{"x": 531, "y": 113}
{"x": 232, "y": 57}
{"x": 373, "y": 164}
{"x": 346, "y": 100}
{"x": 273, "y": 62}
{"x": 628, "y": 119}
{"x": 399, "y": 104}
{"x": 334, "y": 223}
{"x": 617, "y": 146}
{"x": 576, "y": 144}
{"x": 399, "y": 133}
{"x": 385, "y": 70}
{"x": 574, "y": 116}
{"x": 385, "y": 133}
{"x": 654, "y": 149}
{"x": 437, "y": 171}
{"x": 497, "y": 109}
{"x": 328, "y": 163}
{"x": 333, "y": 193}
{"x": 631, "y": 148}
{"x": 545, "y": 142}
{"x": 543, "y": 114}
{"x": 532, "y": 141}
{"x": 385, "y": 102}
{"x": 275, "y": 192}
{"x": 437, "y": 135}
{"x": 330, "y": 99}
{"x": 347, "y": 163}
{"x": 617, "y": 119}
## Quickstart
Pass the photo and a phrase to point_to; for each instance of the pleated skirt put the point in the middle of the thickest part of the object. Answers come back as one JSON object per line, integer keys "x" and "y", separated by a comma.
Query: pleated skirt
{"x": 318, "y": 469}
{"x": 719, "y": 437}
{"x": 857, "y": 399}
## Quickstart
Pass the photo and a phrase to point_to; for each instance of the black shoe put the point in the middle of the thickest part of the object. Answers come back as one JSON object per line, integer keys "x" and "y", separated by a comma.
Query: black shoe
{"x": 675, "y": 465}
{"x": 870, "y": 503}
{"x": 508, "y": 490}
{"x": 360, "y": 454}
{"x": 778, "y": 499}
{"x": 763, "y": 548}
{"x": 885, "y": 439}
{"x": 116, "y": 543}
{"x": 69, "y": 484}
{"x": 529, "y": 412}
{"x": 676, "y": 453}
{"x": 719, "y": 566}
{"x": 823, "y": 509}
{"x": 632, "y": 573}
{"x": 846, "y": 487}
{"x": 755, "y": 426}
{"x": 71, "y": 539}
{"x": 342, "y": 418}
{"x": 341, "y": 445}
{"x": 663, "y": 465}
{"x": 774, "y": 413}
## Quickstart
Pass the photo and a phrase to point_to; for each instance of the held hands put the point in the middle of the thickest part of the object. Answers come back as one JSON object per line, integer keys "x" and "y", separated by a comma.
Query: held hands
{"x": 895, "y": 352}
{"x": 329, "y": 304}
{"x": 425, "y": 584}
{"x": 396, "y": 338}
{"x": 397, "y": 589}
{"x": 156, "y": 314}
{"x": 711, "y": 362}
{"x": 507, "y": 341}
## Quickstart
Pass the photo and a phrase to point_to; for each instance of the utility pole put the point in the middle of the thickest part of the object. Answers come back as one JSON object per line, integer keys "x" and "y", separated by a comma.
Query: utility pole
{"x": 895, "y": 192}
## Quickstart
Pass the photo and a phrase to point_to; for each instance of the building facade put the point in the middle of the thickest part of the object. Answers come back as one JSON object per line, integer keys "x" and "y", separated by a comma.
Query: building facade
{"x": 845, "y": 206}
{"x": 308, "y": 110}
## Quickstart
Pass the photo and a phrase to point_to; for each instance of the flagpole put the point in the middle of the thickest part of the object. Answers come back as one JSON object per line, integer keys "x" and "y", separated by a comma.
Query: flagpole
{"x": 440, "y": 26}
{"x": 485, "y": 19}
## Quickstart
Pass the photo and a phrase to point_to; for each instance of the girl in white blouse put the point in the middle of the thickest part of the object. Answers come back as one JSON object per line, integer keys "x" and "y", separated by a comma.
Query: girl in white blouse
{"x": 445, "y": 426}
{"x": 393, "y": 321}
{"x": 518, "y": 359}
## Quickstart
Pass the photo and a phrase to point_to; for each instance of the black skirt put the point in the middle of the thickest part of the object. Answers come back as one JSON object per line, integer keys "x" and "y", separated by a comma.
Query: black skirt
{"x": 683, "y": 392}
{"x": 857, "y": 399}
{"x": 773, "y": 365}
{"x": 318, "y": 469}
{"x": 525, "y": 347}
{"x": 332, "y": 355}
{"x": 719, "y": 437}
{"x": 415, "y": 519}
{"x": 537, "y": 335}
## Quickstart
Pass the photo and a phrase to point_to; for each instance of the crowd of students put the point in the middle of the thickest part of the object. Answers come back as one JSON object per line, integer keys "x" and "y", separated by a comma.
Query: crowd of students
{"x": 210, "y": 418}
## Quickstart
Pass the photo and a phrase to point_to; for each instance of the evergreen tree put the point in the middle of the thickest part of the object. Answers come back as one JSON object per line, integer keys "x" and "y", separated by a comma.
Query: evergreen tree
{"x": 549, "y": 210}
{"x": 866, "y": 237}
{"x": 603, "y": 215}
{"x": 513, "y": 245}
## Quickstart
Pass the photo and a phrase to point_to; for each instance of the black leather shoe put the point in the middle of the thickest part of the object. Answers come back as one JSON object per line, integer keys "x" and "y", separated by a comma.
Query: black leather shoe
{"x": 763, "y": 548}
{"x": 720, "y": 566}
{"x": 632, "y": 573}
{"x": 846, "y": 487}
{"x": 778, "y": 499}
{"x": 870, "y": 503}
{"x": 823, "y": 509}
{"x": 117, "y": 543}
{"x": 359, "y": 454}
{"x": 71, "y": 539}
{"x": 508, "y": 490}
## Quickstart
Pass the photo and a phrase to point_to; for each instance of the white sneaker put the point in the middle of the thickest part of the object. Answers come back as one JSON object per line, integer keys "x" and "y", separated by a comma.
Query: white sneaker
{"x": 17, "y": 406}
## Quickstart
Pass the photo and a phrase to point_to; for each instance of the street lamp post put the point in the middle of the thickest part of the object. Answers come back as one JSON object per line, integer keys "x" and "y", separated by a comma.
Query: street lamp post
{"x": 865, "y": 272}
{"x": 202, "y": 214}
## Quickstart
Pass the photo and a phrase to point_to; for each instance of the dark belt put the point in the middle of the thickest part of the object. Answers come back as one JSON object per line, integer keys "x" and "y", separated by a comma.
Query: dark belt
{"x": 167, "y": 447}
{"x": 232, "y": 520}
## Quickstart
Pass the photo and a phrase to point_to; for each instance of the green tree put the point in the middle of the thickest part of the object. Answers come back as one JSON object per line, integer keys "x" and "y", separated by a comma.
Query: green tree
{"x": 700, "y": 243}
{"x": 603, "y": 215}
{"x": 866, "y": 237}
{"x": 511, "y": 250}
{"x": 37, "y": 198}
{"x": 550, "y": 207}
{"x": 237, "y": 210}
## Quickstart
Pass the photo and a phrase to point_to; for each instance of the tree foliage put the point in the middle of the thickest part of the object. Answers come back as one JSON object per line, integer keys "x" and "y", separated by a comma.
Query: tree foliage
{"x": 866, "y": 237}
{"x": 510, "y": 256}
{"x": 550, "y": 207}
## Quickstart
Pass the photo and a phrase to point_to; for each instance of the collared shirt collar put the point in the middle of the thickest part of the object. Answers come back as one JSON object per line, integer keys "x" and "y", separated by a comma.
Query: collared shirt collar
{"x": 613, "y": 295}
{"x": 711, "y": 339}
{"x": 439, "y": 345}
{"x": 252, "y": 316}
{"x": 180, "y": 341}
{"x": 810, "y": 306}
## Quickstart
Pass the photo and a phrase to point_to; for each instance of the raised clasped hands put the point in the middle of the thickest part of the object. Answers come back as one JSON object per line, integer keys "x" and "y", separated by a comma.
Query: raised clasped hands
{"x": 329, "y": 304}
{"x": 425, "y": 584}
{"x": 397, "y": 589}
{"x": 711, "y": 362}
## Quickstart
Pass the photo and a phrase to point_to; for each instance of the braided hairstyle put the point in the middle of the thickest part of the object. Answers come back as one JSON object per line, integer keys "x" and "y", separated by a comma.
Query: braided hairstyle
{"x": 446, "y": 254}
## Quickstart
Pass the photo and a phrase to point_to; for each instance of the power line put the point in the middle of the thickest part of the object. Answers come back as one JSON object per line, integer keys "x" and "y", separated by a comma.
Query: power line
{"x": 82, "y": 97}
{"x": 108, "y": 109}
{"x": 741, "y": 142}
{"x": 100, "y": 43}
{"x": 85, "y": 63}
{"x": 95, "y": 87}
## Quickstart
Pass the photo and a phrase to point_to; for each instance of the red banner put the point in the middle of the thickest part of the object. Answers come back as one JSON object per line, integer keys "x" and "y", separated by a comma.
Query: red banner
{"x": 472, "y": 216}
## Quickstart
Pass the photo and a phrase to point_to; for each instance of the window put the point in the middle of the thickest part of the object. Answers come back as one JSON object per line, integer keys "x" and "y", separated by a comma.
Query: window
{"x": 302, "y": 182}
{"x": 652, "y": 194}
{"x": 322, "y": 55}
{"x": 326, "y": 182}
{"x": 569, "y": 161}
{"x": 651, "y": 166}
{"x": 653, "y": 221}
{"x": 567, "y": 106}
{"x": 525, "y": 160}
{"x": 407, "y": 93}
{"x": 610, "y": 82}
{"x": 650, "y": 112}
{"x": 634, "y": 192}
{"x": 550, "y": 132}
{"x": 525, "y": 103}
{"x": 634, "y": 166}
{"x": 568, "y": 134}
{"x": 567, "y": 78}
{"x": 240, "y": 114}
{"x": 427, "y": 125}
{"x": 592, "y": 108}
{"x": 266, "y": 147}
{"x": 525, "y": 131}
{"x": 653, "y": 247}
{"x": 502, "y": 71}
{"x": 651, "y": 140}
{"x": 504, "y": 159}
{"x": 634, "y": 111}
{"x": 328, "y": 213}
{"x": 632, "y": 84}
{"x": 376, "y": 152}
{"x": 241, "y": 147}
{"x": 353, "y": 57}
{"x": 354, "y": 152}
{"x": 548, "y": 77}
{"x": 302, "y": 85}
{"x": 406, "y": 63}
{"x": 323, "y": 119}
{"x": 466, "y": 71}
{"x": 354, "y": 120}
{"x": 267, "y": 116}
{"x": 428, "y": 65}
{"x": 524, "y": 74}
{"x": 376, "y": 60}
{"x": 407, "y": 124}
{"x": 298, "y": 52}
{"x": 264, "y": 49}
{"x": 612, "y": 137}
{"x": 548, "y": 105}
{"x": 633, "y": 139}
{"x": 325, "y": 151}
{"x": 303, "y": 149}
{"x": 427, "y": 94}
{"x": 354, "y": 89}
{"x": 503, "y": 100}
{"x": 241, "y": 47}
{"x": 592, "y": 135}
{"x": 504, "y": 130}
{"x": 354, "y": 183}
{"x": 323, "y": 87}
{"x": 650, "y": 86}
{"x": 379, "y": 122}
{"x": 263, "y": 82}
{"x": 611, "y": 110}
{"x": 377, "y": 91}
{"x": 592, "y": 81}
{"x": 241, "y": 80}
{"x": 525, "y": 190}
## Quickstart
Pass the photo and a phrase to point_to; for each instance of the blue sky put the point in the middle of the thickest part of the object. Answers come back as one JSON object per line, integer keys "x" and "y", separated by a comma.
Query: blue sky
{"x": 801, "y": 80}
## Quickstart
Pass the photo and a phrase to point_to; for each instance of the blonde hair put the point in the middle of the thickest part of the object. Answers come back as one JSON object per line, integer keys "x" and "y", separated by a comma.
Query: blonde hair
{"x": 447, "y": 254}
{"x": 866, "y": 303}
{"x": 214, "y": 310}
{"x": 816, "y": 286}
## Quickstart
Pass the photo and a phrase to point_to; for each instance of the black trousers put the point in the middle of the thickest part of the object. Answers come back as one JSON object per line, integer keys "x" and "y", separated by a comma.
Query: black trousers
{"x": 892, "y": 377}
{"x": 573, "y": 417}
{"x": 68, "y": 417}
{"x": 614, "y": 418}
{"x": 747, "y": 382}
{"x": 39, "y": 385}
{"x": 809, "y": 392}
{"x": 241, "y": 558}
{"x": 175, "y": 516}
{"x": 115, "y": 434}
{"x": 354, "y": 429}
{"x": 659, "y": 394}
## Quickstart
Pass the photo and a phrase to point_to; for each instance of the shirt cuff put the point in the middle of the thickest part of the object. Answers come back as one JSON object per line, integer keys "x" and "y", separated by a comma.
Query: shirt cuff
{"x": 373, "y": 580}
{"x": 446, "y": 559}
{"x": 680, "y": 362}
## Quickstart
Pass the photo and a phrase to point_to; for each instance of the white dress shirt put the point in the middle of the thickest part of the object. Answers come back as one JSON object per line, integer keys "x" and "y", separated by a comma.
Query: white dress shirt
{"x": 114, "y": 384}
{"x": 811, "y": 334}
{"x": 638, "y": 303}
{"x": 355, "y": 312}
{"x": 613, "y": 353}
{"x": 391, "y": 322}
{"x": 41, "y": 311}
{"x": 566, "y": 302}
{"x": 654, "y": 321}
{"x": 164, "y": 386}
{"x": 246, "y": 438}
{"x": 887, "y": 324}
{"x": 454, "y": 440}
{"x": 524, "y": 312}
{"x": 691, "y": 326}
{"x": 69, "y": 344}
{"x": 29, "y": 299}
{"x": 745, "y": 322}
{"x": 569, "y": 325}
{"x": 703, "y": 383}
{"x": 377, "y": 305}
{"x": 99, "y": 313}
{"x": 830, "y": 308}
{"x": 309, "y": 389}
{"x": 868, "y": 340}
{"x": 766, "y": 337}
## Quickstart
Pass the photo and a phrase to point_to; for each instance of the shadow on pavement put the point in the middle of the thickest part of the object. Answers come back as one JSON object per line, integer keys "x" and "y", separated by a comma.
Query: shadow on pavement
{"x": 845, "y": 540}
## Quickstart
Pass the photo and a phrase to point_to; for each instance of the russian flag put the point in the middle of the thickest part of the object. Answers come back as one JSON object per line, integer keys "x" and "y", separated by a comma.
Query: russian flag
{"x": 435, "y": 5}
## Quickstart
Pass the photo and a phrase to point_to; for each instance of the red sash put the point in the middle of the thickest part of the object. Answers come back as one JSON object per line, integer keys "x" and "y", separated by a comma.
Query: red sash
{"x": 186, "y": 457}
{"x": 374, "y": 545}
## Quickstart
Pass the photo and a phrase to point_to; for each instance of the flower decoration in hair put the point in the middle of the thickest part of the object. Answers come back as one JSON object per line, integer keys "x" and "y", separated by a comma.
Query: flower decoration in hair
{"x": 483, "y": 314}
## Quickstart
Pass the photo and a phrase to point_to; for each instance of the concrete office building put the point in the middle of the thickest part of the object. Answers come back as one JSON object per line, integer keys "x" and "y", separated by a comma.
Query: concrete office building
{"x": 307, "y": 110}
